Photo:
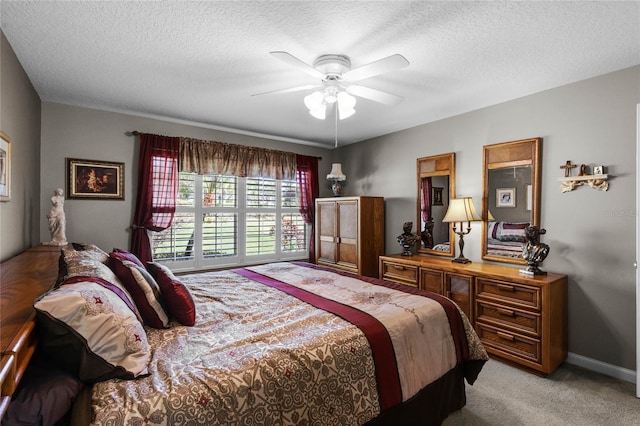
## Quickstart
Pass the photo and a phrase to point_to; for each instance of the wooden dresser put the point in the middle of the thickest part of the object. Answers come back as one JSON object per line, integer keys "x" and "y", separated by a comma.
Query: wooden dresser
{"x": 350, "y": 233}
{"x": 521, "y": 320}
{"x": 23, "y": 278}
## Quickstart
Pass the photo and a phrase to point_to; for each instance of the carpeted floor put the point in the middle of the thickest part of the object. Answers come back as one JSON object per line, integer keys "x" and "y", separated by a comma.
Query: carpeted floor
{"x": 571, "y": 395}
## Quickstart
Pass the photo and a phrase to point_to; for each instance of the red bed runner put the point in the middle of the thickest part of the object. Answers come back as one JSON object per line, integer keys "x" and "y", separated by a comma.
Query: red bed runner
{"x": 453, "y": 314}
{"x": 389, "y": 390}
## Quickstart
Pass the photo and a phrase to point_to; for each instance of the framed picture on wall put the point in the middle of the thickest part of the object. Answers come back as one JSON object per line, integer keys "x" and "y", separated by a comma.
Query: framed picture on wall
{"x": 505, "y": 197}
{"x": 5, "y": 167}
{"x": 97, "y": 180}
{"x": 436, "y": 199}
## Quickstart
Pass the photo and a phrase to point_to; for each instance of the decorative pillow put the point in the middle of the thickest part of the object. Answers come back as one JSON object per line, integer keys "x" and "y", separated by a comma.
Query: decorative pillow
{"x": 85, "y": 263}
{"x": 44, "y": 396}
{"x": 93, "y": 251}
{"x": 125, "y": 255}
{"x": 145, "y": 292}
{"x": 493, "y": 229}
{"x": 175, "y": 294}
{"x": 511, "y": 231}
{"x": 91, "y": 332}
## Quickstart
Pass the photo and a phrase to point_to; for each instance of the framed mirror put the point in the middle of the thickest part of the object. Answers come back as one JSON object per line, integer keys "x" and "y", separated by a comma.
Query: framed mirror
{"x": 510, "y": 198}
{"x": 436, "y": 185}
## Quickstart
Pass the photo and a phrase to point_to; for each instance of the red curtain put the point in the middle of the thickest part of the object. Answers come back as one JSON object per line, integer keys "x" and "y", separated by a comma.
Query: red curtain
{"x": 157, "y": 190}
{"x": 425, "y": 199}
{"x": 307, "y": 176}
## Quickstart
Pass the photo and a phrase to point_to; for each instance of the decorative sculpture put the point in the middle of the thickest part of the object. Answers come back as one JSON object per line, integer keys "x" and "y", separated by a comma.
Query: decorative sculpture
{"x": 57, "y": 221}
{"x": 427, "y": 234}
{"x": 407, "y": 239}
{"x": 533, "y": 251}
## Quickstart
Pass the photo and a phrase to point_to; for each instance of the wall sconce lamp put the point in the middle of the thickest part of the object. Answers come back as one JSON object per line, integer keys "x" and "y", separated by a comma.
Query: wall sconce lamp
{"x": 336, "y": 176}
{"x": 461, "y": 210}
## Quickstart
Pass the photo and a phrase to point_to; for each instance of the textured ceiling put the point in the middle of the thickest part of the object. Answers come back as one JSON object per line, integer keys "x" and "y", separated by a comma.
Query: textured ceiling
{"x": 200, "y": 62}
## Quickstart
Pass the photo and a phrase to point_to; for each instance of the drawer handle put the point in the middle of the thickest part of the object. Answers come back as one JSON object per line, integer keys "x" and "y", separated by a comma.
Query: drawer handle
{"x": 506, "y": 312}
{"x": 399, "y": 268}
{"x": 505, "y": 336}
{"x": 506, "y": 287}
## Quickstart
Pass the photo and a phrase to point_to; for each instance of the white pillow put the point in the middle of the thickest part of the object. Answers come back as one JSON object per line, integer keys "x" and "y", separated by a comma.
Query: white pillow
{"x": 90, "y": 330}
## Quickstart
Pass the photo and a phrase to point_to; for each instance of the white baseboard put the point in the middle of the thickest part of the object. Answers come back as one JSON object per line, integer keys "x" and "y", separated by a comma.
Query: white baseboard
{"x": 602, "y": 367}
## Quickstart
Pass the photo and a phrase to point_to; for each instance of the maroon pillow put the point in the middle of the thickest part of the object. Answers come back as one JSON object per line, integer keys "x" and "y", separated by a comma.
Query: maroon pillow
{"x": 175, "y": 294}
{"x": 125, "y": 255}
{"x": 144, "y": 290}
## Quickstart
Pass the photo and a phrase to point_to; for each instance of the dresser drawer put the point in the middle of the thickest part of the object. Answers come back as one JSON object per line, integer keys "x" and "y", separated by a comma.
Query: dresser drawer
{"x": 506, "y": 317}
{"x": 503, "y": 342}
{"x": 400, "y": 273}
{"x": 501, "y": 291}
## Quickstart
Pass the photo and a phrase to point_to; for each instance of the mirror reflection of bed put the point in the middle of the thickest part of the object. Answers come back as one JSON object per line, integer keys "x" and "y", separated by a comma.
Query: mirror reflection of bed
{"x": 511, "y": 197}
{"x": 508, "y": 218}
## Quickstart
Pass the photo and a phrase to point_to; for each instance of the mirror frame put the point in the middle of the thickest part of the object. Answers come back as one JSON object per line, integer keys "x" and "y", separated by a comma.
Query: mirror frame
{"x": 511, "y": 154}
{"x": 436, "y": 165}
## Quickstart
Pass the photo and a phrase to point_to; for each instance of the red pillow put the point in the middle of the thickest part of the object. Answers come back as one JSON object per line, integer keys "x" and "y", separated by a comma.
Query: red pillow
{"x": 144, "y": 291}
{"x": 175, "y": 294}
{"x": 125, "y": 255}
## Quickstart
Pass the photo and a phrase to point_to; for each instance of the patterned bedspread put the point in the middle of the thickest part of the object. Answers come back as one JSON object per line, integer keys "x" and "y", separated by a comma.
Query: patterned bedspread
{"x": 289, "y": 343}
{"x": 504, "y": 248}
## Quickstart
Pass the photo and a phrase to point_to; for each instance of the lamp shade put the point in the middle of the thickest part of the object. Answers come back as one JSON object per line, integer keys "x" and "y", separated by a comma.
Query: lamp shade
{"x": 461, "y": 210}
{"x": 336, "y": 172}
{"x": 346, "y": 102}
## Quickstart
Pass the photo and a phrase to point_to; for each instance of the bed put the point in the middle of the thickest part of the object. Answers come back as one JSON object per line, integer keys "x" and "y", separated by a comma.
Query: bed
{"x": 280, "y": 343}
{"x": 506, "y": 238}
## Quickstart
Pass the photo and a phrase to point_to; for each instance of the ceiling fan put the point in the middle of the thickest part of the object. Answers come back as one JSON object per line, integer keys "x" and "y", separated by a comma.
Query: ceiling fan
{"x": 336, "y": 75}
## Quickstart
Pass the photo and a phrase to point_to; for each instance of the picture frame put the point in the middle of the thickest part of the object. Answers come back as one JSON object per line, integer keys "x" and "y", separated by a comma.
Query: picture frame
{"x": 5, "y": 167}
{"x": 598, "y": 170}
{"x": 95, "y": 180}
{"x": 436, "y": 196}
{"x": 505, "y": 197}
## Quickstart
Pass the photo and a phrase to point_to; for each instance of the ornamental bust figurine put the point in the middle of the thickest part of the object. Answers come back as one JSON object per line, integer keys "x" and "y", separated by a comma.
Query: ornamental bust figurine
{"x": 533, "y": 251}
{"x": 407, "y": 239}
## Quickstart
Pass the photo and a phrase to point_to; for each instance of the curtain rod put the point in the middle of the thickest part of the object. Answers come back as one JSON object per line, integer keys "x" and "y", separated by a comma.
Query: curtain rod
{"x": 137, "y": 133}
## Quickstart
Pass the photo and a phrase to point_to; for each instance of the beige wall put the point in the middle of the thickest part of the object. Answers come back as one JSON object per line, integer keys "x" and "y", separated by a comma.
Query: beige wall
{"x": 20, "y": 120}
{"x": 73, "y": 132}
{"x": 591, "y": 233}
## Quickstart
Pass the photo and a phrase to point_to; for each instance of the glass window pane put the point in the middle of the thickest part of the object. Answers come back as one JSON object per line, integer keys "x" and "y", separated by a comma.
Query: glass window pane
{"x": 186, "y": 190}
{"x": 289, "y": 195}
{"x": 175, "y": 242}
{"x": 261, "y": 233}
{"x": 219, "y": 235}
{"x": 294, "y": 233}
{"x": 219, "y": 191}
{"x": 261, "y": 192}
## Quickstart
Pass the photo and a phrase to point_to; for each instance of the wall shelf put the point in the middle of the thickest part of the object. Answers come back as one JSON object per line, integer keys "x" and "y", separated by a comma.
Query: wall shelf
{"x": 595, "y": 181}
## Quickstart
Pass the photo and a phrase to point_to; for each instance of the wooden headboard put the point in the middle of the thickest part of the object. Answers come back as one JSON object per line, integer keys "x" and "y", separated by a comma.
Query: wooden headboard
{"x": 22, "y": 279}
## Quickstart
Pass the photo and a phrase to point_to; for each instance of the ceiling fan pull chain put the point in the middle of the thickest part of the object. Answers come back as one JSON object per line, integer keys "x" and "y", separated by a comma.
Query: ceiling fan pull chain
{"x": 335, "y": 109}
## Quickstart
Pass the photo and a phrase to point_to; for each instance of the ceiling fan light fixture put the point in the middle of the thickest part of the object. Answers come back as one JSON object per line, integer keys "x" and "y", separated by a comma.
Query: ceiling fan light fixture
{"x": 319, "y": 112}
{"x": 314, "y": 100}
{"x": 346, "y": 104}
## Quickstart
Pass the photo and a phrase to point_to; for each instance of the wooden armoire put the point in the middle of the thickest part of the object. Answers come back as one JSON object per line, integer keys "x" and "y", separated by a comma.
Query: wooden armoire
{"x": 350, "y": 233}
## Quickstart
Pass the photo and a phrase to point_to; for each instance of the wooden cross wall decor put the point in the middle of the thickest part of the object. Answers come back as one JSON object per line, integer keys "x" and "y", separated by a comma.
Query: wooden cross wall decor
{"x": 567, "y": 168}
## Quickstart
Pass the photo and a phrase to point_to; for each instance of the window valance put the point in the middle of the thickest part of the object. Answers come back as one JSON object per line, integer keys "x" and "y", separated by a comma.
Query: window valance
{"x": 209, "y": 157}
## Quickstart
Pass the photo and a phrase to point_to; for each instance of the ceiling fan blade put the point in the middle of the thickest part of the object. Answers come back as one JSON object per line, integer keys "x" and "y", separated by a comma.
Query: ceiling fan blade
{"x": 289, "y": 90}
{"x": 375, "y": 95}
{"x": 297, "y": 63}
{"x": 381, "y": 66}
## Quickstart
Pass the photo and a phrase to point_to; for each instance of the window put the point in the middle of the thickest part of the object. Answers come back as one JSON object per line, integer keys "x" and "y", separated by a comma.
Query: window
{"x": 227, "y": 220}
